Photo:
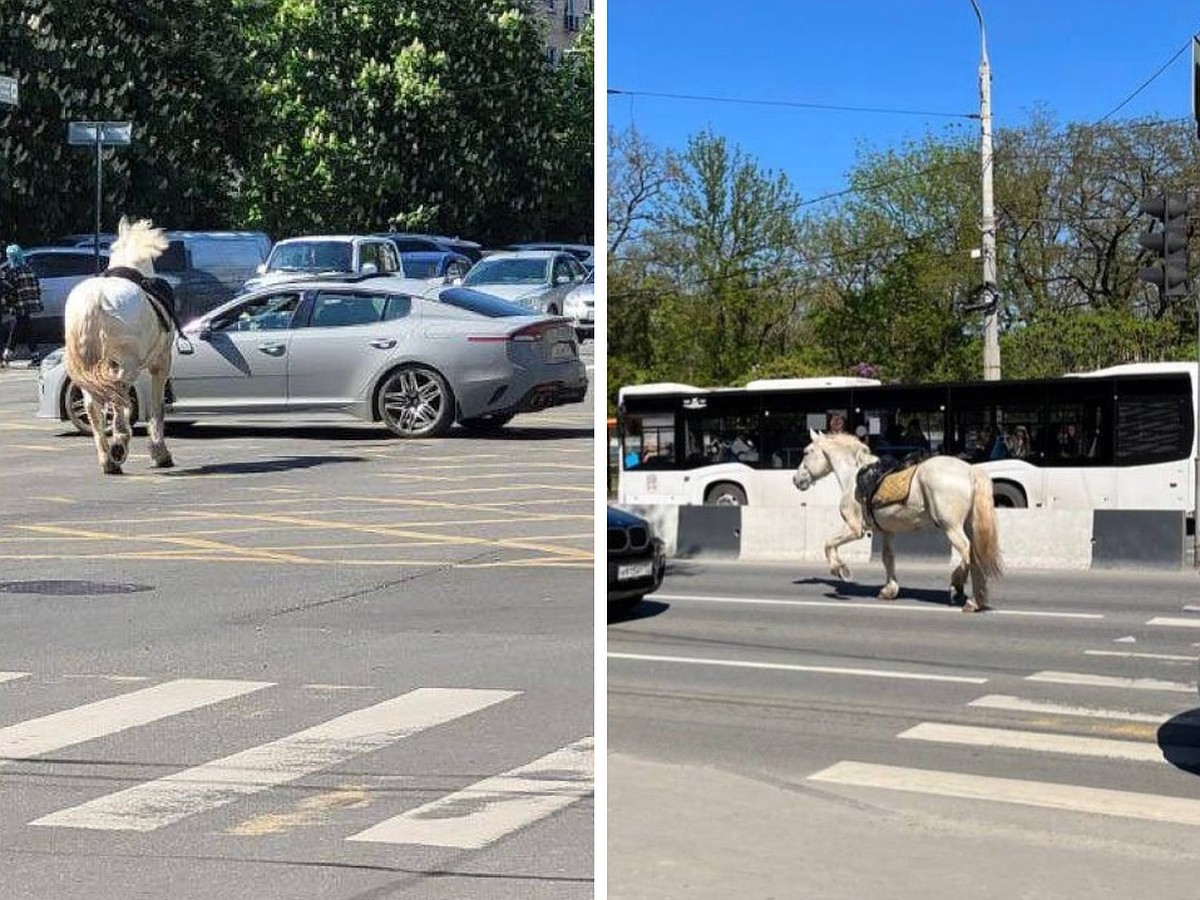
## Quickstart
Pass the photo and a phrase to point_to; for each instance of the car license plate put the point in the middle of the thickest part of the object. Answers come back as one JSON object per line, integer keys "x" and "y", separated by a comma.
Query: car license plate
{"x": 635, "y": 570}
{"x": 562, "y": 351}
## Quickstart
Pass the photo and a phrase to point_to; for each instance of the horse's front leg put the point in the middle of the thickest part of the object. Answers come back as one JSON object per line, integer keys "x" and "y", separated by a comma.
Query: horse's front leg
{"x": 852, "y": 516}
{"x": 158, "y": 440}
{"x": 890, "y": 587}
{"x": 96, "y": 418}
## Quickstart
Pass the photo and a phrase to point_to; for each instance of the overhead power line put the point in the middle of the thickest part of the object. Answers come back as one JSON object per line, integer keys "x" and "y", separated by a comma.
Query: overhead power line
{"x": 794, "y": 104}
{"x": 1145, "y": 84}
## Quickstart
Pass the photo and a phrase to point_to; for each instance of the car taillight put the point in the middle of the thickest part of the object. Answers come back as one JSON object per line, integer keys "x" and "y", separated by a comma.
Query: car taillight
{"x": 529, "y": 333}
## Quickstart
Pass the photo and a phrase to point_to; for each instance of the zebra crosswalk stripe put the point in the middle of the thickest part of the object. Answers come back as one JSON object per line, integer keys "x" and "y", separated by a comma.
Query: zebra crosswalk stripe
{"x": 487, "y": 810}
{"x": 1065, "y": 797}
{"x": 1114, "y": 681}
{"x": 151, "y": 805}
{"x": 1105, "y": 748}
{"x": 104, "y": 717}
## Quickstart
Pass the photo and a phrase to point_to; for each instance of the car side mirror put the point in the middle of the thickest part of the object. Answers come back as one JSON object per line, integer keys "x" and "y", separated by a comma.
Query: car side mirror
{"x": 368, "y": 269}
{"x": 457, "y": 282}
{"x": 261, "y": 268}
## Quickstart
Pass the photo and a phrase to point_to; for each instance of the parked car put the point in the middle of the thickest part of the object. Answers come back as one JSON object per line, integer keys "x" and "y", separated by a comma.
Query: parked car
{"x": 582, "y": 252}
{"x": 636, "y": 560}
{"x": 537, "y": 279}
{"x": 437, "y": 266}
{"x": 204, "y": 268}
{"x": 371, "y": 347}
{"x": 431, "y": 243}
{"x": 332, "y": 254}
{"x": 580, "y": 307}
{"x": 58, "y": 270}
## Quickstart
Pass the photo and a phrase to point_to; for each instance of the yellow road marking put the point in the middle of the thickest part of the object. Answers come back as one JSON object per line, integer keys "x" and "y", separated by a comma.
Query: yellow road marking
{"x": 508, "y": 487}
{"x": 56, "y": 499}
{"x": 395, "y": 531}
{"x": 193, "y": 543}
{"x": 50, "y": 447}
{"x": 307, "y": 812}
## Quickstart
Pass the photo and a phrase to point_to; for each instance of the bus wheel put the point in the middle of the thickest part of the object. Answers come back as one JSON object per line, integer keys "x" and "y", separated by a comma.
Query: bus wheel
{"x": 1008, "y": 496}
{"x": 725, "y": 495}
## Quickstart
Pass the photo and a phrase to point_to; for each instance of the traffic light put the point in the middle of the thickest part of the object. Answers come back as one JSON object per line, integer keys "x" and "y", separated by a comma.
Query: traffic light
{"x": 1169, "y": 243}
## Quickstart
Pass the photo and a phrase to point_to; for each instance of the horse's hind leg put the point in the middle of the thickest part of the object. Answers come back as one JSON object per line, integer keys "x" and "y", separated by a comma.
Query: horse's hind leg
{"x": 158, "y": 441}
{"x": 890, "y": 588}
{"x": 95, "y": 414}
{"x": 118, "y": 450}
{"x": 958, "y": 578}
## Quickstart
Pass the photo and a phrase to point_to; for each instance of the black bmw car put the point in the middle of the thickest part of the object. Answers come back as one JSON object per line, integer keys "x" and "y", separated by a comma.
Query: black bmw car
{"x": 636, "y": 559}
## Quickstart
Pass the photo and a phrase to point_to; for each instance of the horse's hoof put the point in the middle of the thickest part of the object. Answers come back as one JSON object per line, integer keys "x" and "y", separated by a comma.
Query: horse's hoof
{"x": 843, "y": 573}
{"x": 165, "y": 462}
{"x": 117, "y": 453}
{"x": 111, "y": 468}
{"x": 972, "y": 605}
{"x": 889, "y": 592}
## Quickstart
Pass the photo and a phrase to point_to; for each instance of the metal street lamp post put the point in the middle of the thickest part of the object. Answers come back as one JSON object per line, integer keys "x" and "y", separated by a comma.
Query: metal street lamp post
{"x": 991, "y": 322}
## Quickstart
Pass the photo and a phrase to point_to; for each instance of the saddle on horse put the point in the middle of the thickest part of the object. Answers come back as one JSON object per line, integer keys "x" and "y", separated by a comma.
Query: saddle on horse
{"x": 161, "y": 297}
{"x": 885, "y": 482}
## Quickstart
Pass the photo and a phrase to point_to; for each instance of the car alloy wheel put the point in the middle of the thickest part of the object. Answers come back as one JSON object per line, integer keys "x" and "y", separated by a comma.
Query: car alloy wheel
{"x": 77, "y": 411}
{"x": 416, "y": 402}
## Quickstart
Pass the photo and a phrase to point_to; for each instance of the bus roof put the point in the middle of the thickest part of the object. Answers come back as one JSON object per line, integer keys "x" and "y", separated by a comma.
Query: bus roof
{"x": 841, "y": 381}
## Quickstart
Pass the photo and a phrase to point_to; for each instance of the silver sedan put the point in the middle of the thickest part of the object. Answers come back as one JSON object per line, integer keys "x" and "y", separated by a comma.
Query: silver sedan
{"x": 371, "y": 347}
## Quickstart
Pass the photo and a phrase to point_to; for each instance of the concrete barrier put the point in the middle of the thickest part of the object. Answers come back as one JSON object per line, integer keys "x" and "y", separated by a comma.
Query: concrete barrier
{"x": 1029, "y": 538}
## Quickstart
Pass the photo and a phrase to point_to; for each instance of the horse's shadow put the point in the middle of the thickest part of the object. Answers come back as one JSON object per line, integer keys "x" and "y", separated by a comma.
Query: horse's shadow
{"x": 262, "y": 466}
{"x": 844, "y": 590}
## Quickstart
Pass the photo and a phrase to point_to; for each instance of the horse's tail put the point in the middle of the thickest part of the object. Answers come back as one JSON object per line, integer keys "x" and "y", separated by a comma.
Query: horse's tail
{"x": 985, "y": 534}
{"x": 84, "y": 356}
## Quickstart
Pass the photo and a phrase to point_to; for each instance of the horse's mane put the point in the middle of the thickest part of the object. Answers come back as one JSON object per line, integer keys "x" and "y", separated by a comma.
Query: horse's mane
{"x": 848, "y": 441}
{"x": 137, "y": 245}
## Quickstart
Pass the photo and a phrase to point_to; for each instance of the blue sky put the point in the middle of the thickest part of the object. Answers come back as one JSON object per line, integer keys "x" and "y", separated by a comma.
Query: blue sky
{"x": 1076, "y": 59}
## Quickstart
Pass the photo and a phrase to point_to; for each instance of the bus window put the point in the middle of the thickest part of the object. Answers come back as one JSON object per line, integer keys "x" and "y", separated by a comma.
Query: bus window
{"x": 718, "y": 439}
{"x": 784, "y": 437}
{"x": 648, "y": 442}
{"x": 1077, "y": 434}
{"x": 899, "y": 431}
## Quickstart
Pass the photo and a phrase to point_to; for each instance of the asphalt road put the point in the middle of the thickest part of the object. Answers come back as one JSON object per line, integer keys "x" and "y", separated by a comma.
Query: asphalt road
{"x": 774, "y": 733}
{"x": 310, "y": 661}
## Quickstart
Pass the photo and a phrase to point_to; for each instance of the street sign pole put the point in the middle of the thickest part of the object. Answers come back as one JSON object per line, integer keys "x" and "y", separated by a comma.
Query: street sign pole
{"x": 99, "y": 135}
{"x": 99, "y": 198}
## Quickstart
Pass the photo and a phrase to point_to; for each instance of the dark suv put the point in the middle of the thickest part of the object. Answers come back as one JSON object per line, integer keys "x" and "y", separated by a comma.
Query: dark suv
{"x": 636, "y": 560}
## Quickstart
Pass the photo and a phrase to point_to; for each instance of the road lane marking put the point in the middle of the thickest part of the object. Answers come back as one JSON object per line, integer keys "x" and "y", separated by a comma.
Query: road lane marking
{"x": 488, "y": 810}
{"x": 850, "y": 604}
{"x": 13, "y": 676}
{"x": 104, "y": 717}
{"x": 1175, "y": 622}
{"x": 1137, "y": 684}
{"x": 154, "y": 804}
{"x": 1164, "y": 657}
{"x": 1016, "y": 704}
{"x": 1046, "y": 795}
{"x": 1045, "y": 742}
{"x": 786, "y": 667}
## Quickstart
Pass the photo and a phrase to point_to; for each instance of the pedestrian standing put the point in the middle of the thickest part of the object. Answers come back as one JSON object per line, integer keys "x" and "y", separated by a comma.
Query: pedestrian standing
{"x": 22, "y": 297}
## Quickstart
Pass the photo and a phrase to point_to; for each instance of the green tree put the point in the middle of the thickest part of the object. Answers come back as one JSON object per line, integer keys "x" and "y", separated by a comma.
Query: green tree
{"x": 377, "y": 109}
{"x": 174, "y": 68}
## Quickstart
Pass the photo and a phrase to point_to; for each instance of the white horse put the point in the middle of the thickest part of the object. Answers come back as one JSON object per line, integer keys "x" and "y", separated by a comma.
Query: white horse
{"x": 945, "y": 491}
{"x": 112, "y": 334}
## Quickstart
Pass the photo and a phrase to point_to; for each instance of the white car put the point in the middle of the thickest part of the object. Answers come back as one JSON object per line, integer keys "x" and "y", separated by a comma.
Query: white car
{"x": 580, "y": 307}
{"x": 539, "y": 280}
{"x": 327, "y": 254}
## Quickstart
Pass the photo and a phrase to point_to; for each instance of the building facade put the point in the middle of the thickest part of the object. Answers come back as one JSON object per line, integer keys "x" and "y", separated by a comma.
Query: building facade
{"x": 566, "y": 19}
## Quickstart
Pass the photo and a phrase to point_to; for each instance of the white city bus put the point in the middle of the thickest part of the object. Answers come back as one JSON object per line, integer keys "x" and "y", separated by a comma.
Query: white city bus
{"x": 1117, "y": 438}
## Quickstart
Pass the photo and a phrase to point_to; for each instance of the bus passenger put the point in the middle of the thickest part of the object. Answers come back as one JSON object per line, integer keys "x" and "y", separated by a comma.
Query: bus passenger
{"x": 1019, "y": 445}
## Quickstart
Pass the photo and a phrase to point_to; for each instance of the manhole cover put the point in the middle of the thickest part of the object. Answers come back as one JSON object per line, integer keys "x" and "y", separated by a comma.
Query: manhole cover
{"x": 70, "y": 588}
